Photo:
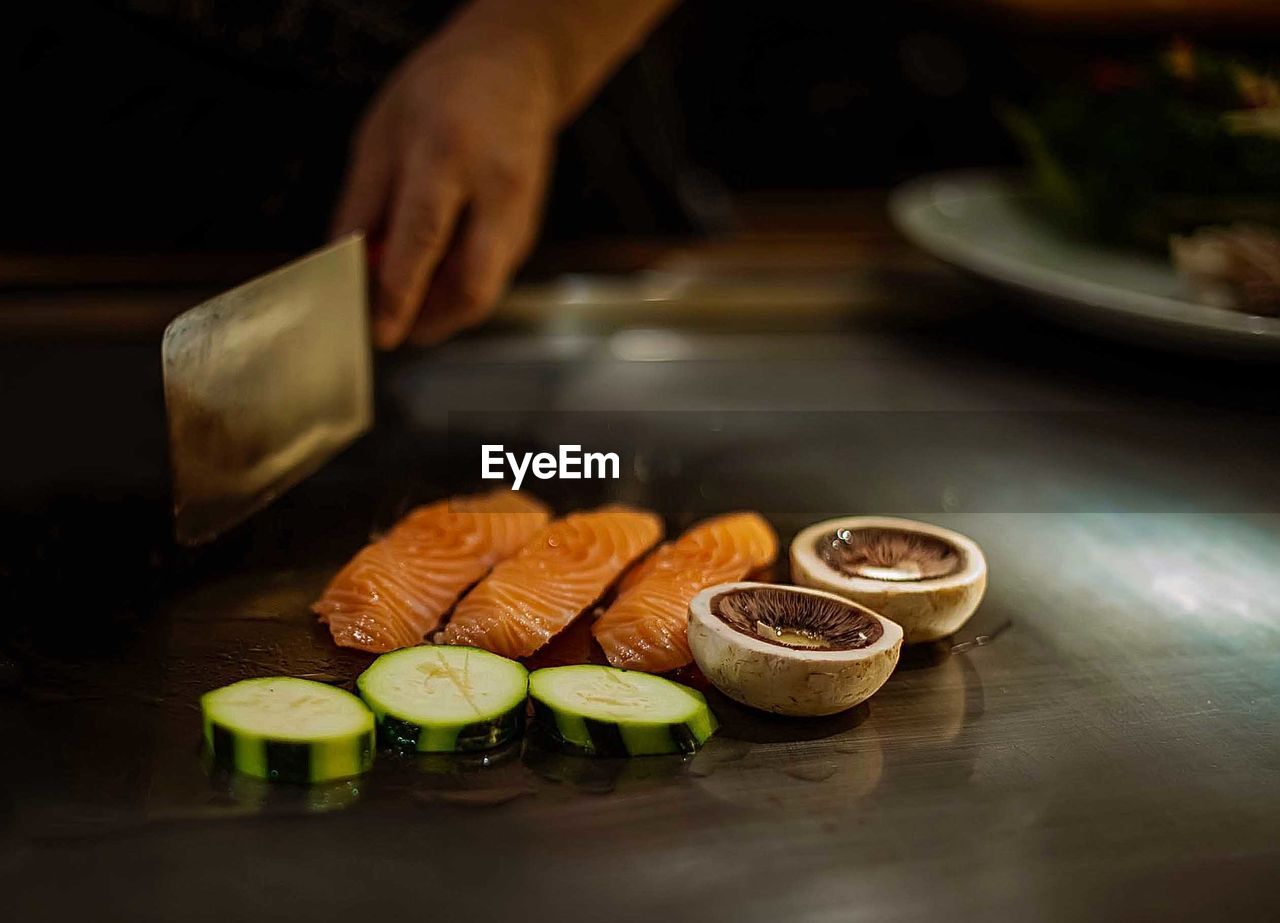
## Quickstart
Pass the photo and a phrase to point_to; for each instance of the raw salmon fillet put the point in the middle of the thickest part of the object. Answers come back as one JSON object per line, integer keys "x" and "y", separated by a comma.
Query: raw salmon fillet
{"x": 396, "y": 590}
{"x": 646, "y": 628}
{"x": 552, "y": 580}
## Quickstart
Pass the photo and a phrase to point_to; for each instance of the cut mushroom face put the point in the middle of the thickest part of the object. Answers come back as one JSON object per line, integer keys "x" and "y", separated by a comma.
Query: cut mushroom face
{"x": 790, "y": 650}
{"x": 796, "y": 620}
{"x": 887, "y": 554}
{"x": 927, "y": 579}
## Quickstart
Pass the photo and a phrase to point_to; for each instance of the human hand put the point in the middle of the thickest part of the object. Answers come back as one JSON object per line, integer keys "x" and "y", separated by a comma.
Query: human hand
{"x": 449, "y": 166}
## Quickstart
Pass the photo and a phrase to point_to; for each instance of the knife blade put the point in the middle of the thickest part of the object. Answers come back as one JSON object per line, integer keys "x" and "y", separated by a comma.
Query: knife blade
{"x": 265, "y": 383}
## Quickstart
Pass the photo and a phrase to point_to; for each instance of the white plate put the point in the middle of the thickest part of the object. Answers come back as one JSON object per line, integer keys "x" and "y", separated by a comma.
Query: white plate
{"x": 980, "y": 222}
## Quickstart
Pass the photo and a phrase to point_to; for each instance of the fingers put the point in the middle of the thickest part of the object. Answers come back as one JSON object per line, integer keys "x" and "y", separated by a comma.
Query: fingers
{"x": 422, "y": 222}
{"x": 489, "y": 246}
{"x": 365, "y": 189}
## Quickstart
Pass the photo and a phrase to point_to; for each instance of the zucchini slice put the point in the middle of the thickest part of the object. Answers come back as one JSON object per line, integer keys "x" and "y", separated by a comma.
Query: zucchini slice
{"x": 442, "y": 699}
{"x": 605, "y": 711}
{"x": 287, "y": 730}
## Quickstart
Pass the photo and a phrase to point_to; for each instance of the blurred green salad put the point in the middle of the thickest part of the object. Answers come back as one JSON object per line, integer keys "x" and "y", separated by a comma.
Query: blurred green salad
{"x": 1135, "y": 151}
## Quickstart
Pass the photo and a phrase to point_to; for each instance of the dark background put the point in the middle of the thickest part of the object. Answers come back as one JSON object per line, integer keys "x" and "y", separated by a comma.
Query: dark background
{"x": 152, "y": 123}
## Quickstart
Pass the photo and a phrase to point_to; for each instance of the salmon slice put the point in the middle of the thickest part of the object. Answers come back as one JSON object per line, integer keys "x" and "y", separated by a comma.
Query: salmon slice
{"x": 534, "y": 595}
{"x": 646, "y": 628}
{"x": 396, "y": 590}
{"x": 574, "y": 645}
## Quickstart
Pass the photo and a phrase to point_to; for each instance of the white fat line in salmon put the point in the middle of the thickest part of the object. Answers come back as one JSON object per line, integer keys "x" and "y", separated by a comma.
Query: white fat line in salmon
{"x": 572, "y": 464}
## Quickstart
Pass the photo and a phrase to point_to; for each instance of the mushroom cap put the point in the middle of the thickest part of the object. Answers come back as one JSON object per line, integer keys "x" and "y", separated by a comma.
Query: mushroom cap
{"x": 929, "y": 608}
{"x": 788, "y": 680}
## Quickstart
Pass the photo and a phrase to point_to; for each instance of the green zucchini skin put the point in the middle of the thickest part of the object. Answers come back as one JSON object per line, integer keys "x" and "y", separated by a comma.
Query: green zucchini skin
{"x": 606, "y": 739}
{"x": 407, "y": 737}
{"x": 287, "y": 761}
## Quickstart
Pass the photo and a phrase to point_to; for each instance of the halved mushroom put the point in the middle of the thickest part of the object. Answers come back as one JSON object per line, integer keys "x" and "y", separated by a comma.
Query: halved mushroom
{"x": 790, "y": 650}
{"x": 927, "y": 579}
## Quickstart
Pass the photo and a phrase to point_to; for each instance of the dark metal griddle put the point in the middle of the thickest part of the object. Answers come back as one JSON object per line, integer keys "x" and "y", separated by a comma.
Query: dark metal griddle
{"x": 1110, "y": 751}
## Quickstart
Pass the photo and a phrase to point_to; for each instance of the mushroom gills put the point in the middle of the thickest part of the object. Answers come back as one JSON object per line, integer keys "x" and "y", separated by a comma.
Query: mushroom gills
{"x": 791, "y": 637}
{"x": 887, "y": 554}
{"x": 782, "y": 616}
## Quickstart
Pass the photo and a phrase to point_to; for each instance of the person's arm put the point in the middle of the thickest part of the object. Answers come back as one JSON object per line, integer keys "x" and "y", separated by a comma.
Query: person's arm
{"x": 451, "y": 160}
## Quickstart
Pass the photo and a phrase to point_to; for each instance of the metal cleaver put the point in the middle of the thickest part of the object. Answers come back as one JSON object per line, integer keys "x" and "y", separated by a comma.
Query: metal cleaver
{"x": 263, "y": 384}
